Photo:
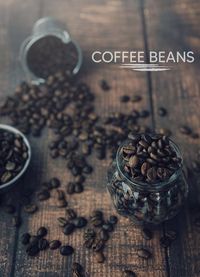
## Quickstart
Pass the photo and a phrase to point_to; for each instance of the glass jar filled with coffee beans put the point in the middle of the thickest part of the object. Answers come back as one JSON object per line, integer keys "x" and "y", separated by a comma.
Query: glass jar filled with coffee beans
{"x": 146, "y": 181}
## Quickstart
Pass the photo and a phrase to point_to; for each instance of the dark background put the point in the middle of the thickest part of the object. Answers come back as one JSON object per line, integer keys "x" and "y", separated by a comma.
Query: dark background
{"x": 114, "y": 25}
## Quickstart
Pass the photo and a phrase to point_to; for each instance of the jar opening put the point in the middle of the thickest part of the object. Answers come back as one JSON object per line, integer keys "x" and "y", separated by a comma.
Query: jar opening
{"x": 143, "y": 184}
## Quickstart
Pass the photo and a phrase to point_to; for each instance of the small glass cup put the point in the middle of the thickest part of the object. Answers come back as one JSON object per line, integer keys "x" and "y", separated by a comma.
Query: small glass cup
{"x": 47, "y": 26}
{"x": 143, "y": 203}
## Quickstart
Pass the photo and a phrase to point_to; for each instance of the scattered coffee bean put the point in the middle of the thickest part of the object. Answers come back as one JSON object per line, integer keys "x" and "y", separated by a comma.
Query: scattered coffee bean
{"x": 43, "y": 244}
{"x": 136, "y": 98}
{"x": 54, "y": 182}
{"x": 104, "y": 85}
{"x": 42, "y": 232}
{"x": 162, "y": 111}
{"x": 70, "y": 214}
{"x": 31, "y": 208}
{"x": 124, "y": 98}
{"x": 69, "y": 228}
{"x": 54, "y": 244}
{"x": 25, "y": 238}
{"x": 66, "y": 250}
{"x": 32, "y": 250}
{"x": 129, "y": 273}
{"x": 62, "y": 221}
{"x": 80, "y": 222}
{"x": 185, "y": 130}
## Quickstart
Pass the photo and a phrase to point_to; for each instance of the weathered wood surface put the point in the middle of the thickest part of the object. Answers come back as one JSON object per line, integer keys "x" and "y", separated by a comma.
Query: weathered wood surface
{"x": 98, "y": 25}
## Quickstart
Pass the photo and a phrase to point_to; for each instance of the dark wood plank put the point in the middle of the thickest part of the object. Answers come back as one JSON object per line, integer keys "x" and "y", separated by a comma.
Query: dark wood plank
{"x": 12, "y": 32}
{"x": 174, "y": 26}
{"x": 99, "y": 25}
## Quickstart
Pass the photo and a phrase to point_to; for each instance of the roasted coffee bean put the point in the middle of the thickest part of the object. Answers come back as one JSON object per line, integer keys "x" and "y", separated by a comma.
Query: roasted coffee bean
{"x": 129, "y": 273}
{"x": 60, "y": 194}
{"x": 162, "y": 111}
{"x": 70, "y": 214}
{"x": 43, "y": 244}
{"x": 96, "y": 221}
{"x": 54, "y": 244}
{"x": 31, "y": 208}
{"x": 99, "y": 256}
{"x": 107, "y": 227}
{"x": 34, "y": 240}
{"x": 66, "y": 250}
{"x": 25, "y": 238}
{"x": 70, "y": 188}
{"x": 133, "y": 161}
{"x": 32, "y": 250}
{"x": 42, "y": 232}
{"x": 69, "y": 228}
{"x": 103, "y": 234}
{"x": 89, "y": 234}
{"x": 104, "y": 85}
{"x": 147, "y": 234}
{"x": 78, "y": 188}
{"x": 43, "y": 195}
{"x": 80, "y": 222}
{"x": 54, "y": 182}
{"x": 78, "y": 270}
{"x": 97, "y": 213}
{"x": 113, "y": 219}
{"x": 152, "y": 174}
{"x": 62, "y": 221}
{"x": 144, "y": 253}
{"x": 125, "y": 98}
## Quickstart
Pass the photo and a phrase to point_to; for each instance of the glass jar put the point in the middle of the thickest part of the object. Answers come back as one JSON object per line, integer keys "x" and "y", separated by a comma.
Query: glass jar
{"x": 146, "y": 203}
{"x": 44, "y": 27}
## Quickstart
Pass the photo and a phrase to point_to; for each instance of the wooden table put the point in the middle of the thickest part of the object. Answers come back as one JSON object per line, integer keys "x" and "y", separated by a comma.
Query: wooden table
{"x": 114, "y": 25}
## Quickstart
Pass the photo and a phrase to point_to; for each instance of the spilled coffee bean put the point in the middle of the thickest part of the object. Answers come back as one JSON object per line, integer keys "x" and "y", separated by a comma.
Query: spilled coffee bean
{"x": 144, "y": 253}
{"x": 66, "y": 250}
{"x": 54, "y": 244}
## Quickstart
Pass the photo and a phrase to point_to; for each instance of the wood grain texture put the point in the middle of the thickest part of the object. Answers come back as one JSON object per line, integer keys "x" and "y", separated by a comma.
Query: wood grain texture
{"x": 174, "y": 26}
{"x": 99, "y": 25}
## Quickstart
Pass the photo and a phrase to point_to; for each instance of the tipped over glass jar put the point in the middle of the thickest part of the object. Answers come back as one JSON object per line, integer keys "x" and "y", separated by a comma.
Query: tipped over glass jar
{"x": 146, "y": 180}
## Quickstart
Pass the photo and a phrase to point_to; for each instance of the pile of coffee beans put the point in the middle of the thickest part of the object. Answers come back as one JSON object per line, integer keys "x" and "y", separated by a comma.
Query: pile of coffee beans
{"x": 149, "y": 158}
{"x": 98, "y": 233}
{"x": 49, "y": 55}
{"x": 13, "y": 155}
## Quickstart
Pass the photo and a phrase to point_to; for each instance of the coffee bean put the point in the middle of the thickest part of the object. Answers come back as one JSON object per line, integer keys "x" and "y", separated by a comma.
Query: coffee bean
{"x": 42, "y": 232}
{"x": 162, "y": 111}
{"x": 54, "y": 244}
{"x": 25, "y": 238}
{"x": 54, "y": 182}
{"x": 99, "y": 256}
{"x": 129, "y": 273}
{"x": 80, "y": 222}
{"x": 125, "y": 98}
{"x": 103, "y": 234}
{"x": 71, "y": 188}
{"x": 32, "y": 250}
{"x": 31, "y": 208}
{"x": 69, "y": 228}
{"x": 144, "y": 253}
{"x": 66, "y": 250}
{"x": 43, "y": 195}
{"x": 147, "y": 234}
{"x": 43, "y": 244}
{"x": 144, "y": 168}
{"x": 104, "y": 85}
{"x": 62, "y": 221}
{"x": 62, "y": 203}
{"x": 113, "y": 219}
{"x": 152, "y": 174}
{"x": 133, "y": 161}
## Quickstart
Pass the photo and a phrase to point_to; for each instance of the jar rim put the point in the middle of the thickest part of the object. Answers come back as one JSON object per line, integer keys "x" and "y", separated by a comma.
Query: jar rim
{"x": 142, "y": 184}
